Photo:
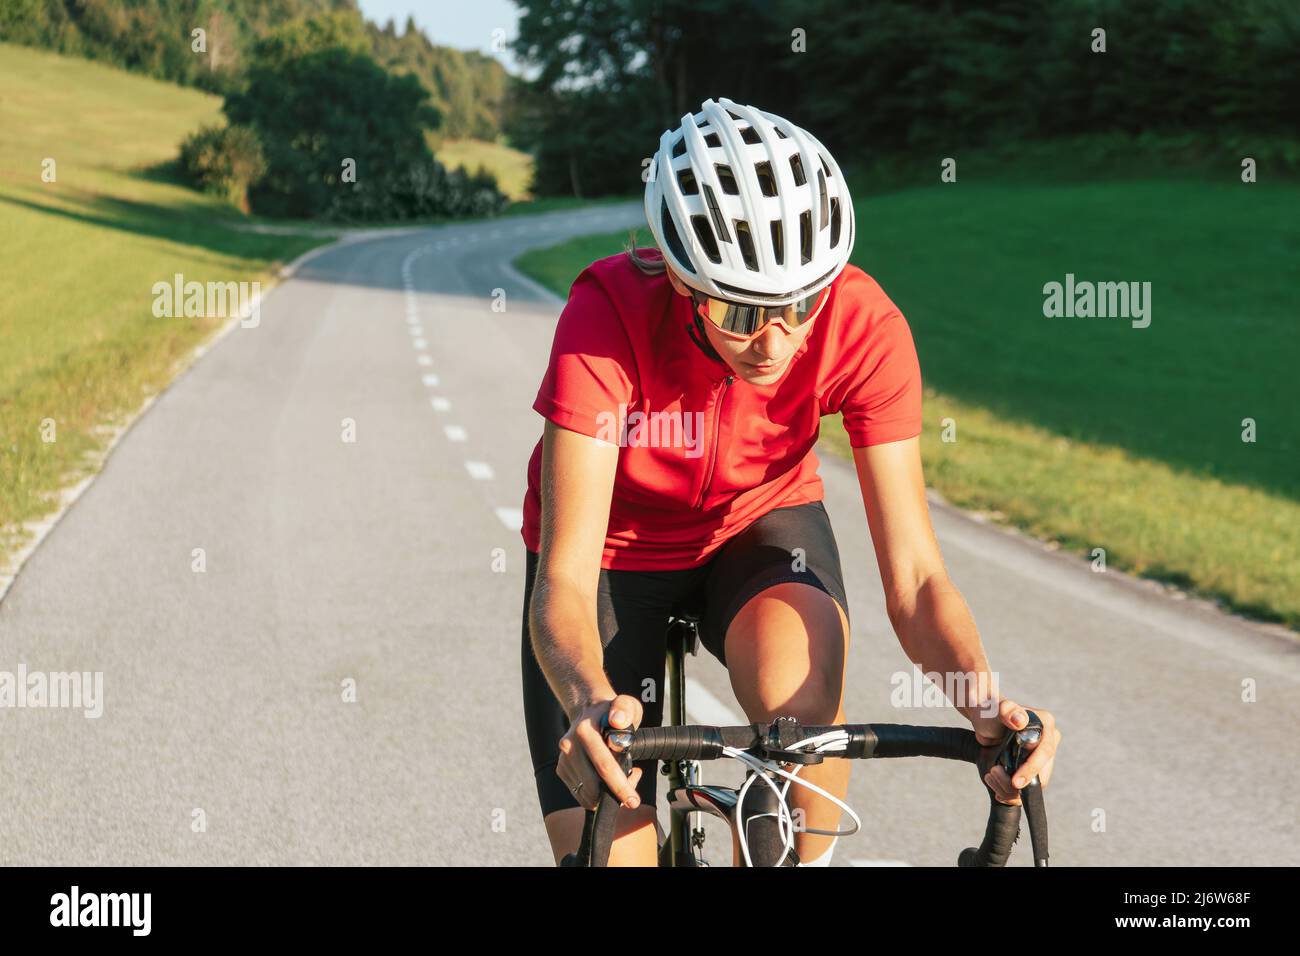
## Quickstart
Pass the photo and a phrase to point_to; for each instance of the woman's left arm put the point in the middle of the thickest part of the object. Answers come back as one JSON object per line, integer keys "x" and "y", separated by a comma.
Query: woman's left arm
{"x": 929, "y": 615}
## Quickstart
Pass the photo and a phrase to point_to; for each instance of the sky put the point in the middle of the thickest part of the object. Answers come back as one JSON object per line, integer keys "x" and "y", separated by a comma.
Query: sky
{"x": 463, "y": 24}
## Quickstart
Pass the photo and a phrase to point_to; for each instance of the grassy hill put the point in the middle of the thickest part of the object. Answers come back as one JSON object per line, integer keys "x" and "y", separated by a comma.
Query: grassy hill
{"x": 1091, "y": 432}
{"x": 513, "y": 168}
{"x": 80, "y": 345}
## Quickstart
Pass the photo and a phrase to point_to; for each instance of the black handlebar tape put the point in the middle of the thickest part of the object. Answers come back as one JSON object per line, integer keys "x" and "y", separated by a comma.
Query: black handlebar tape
{"x": 1001, "y": 832}
{"x": 904, "y": 740}
{"x": 689, "y": 743}
{"x": 1036, "y": 817}
{"x": 601, "y": 824}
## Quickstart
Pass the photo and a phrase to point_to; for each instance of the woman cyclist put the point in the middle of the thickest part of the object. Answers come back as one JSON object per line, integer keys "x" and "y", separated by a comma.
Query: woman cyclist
{"x": 676, "y": 469}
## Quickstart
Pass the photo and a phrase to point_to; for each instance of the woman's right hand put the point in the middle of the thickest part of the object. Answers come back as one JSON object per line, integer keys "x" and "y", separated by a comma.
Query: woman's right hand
{"x": 585, "y": 760}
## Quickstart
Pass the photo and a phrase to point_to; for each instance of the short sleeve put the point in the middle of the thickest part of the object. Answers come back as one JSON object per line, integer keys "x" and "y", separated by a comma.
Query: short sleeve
{"x": 882, "y": 402}
{"x": 591, "y": 371}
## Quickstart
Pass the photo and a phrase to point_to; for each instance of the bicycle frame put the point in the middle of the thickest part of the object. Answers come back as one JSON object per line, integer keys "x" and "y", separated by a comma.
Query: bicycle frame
{"x": 681, "y": 748}
{"x": 685, "y": 841}
{"x": 683, "y": 638}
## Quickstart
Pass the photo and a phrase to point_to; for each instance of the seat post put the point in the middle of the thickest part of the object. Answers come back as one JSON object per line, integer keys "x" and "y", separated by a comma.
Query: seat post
{"x": 681, "y": 638}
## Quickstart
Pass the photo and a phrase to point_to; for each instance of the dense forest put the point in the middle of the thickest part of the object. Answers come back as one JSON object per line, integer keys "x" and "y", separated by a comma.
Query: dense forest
{"x": 895, "y": 75}
{"x": 154, "y": 37}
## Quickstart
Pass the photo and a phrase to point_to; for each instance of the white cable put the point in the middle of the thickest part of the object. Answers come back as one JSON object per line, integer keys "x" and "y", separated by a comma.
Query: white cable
{"x": 831, "y": 742}
{"x": 784, "y": 819}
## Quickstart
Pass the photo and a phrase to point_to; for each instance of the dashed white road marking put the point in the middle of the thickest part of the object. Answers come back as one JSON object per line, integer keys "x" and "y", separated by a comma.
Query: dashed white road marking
{"x": 512, "y": 518}
{"x": 440, "y": 404}
{"x": 704, "y": 708}
{"x": 416, "y": 331}
{"x": 455, "y": 433}
{"x": 412, "y": 318}
{"x": 480, "y": 470}
{"x": 430, "y": 379}
{"x": 879, "y": 863}
{"x": 419, "y": 344}
{"x": 424, "y": 360}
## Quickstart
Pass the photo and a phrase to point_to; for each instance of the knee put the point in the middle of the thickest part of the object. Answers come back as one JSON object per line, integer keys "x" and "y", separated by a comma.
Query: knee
{"x": 814, "y": 700}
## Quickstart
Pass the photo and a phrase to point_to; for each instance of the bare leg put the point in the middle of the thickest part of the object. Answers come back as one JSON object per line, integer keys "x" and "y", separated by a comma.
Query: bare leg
{"x": 785, "y": 654}
{"x": 635, "y": 839}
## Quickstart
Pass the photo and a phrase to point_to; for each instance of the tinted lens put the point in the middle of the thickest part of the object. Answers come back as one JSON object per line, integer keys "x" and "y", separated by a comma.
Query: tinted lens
{"x": 748, "y": 319}
{"x": 743, "y": 319}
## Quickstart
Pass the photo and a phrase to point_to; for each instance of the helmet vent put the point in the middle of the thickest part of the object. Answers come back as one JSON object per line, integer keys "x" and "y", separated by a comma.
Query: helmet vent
{"x": 826, "y": 169}
{"x": 835, "y": 223}
{"x": 705, "y": 235}
{"x": 715, "y": 212}
{"x": 796, "y": 166}
{"x": 680, "y": 148}
{"x": 805, "y": 237}
{"x": 674, "y": 240}
{"x": 780, "y": 132}
{"x": 746, "y": 245}
{"x": 712, "y": 140}
{"x": 750, "y": 136}
{"x": 686, "y": 179}
{"x": 766, "y": 181}
{"x": 823, "y": 214}
{"x": 778, "y": 242}
{"x": 727, "y": 180}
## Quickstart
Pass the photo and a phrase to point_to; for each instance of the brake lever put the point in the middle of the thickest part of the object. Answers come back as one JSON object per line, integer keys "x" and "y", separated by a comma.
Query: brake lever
{"x": 1018, "y": 745}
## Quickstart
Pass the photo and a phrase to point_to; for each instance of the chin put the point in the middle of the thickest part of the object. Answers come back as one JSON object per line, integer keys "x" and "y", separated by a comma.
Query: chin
{"x": 762, "y": 376}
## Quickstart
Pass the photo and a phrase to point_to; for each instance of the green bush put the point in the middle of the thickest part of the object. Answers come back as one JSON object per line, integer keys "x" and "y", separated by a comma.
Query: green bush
{"x": 224, "y": 160}
{"x": 420, "y": 190}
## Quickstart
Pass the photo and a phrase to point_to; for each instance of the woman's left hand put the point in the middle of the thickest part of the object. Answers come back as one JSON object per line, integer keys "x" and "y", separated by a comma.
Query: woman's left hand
{"x": 990, "y": 730}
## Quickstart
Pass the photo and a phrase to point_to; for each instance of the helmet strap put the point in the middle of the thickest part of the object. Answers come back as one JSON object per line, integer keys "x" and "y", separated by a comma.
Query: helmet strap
{"x": 698, "y": 335}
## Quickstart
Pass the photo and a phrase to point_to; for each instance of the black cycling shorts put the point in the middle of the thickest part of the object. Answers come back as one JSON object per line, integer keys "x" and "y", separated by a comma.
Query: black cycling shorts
{"x": 633, "y": 608}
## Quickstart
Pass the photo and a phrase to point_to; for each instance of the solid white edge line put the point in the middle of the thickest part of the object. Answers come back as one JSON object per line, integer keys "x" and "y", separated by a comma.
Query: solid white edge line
{"x": 547, "y": 295}
{"x": 512, "y": 518}
{"x": 704, "y": 708}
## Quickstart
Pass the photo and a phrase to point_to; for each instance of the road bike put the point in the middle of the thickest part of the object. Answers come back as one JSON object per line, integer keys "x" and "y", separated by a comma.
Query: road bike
{"x": 758, "y": 812}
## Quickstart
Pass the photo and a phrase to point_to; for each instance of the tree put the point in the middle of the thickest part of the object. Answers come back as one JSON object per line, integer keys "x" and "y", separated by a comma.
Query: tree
{"x": 324, "y": 113}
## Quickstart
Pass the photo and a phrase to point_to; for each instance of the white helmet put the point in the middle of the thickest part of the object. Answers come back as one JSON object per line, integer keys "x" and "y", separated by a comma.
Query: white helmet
{"x": 748, "y": 207}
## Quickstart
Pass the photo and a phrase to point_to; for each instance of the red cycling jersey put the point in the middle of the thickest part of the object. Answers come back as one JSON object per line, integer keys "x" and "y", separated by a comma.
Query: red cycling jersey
{"x": 702, "y": 452}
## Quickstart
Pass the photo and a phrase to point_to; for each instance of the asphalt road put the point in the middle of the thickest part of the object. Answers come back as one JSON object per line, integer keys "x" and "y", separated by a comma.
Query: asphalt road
{"x": 229, "y": 733}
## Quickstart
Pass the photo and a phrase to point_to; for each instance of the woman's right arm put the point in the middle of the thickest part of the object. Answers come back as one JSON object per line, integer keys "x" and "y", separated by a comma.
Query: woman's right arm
{"x": 577, "y": 487}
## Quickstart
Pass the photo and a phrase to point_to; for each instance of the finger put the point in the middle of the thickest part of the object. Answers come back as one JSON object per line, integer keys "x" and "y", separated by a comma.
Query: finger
{"x": 609, "y": 769}
{"x": 1012, "y": 714}
{"x": 625, "y": 712}
{"x": 1040, "y": 759}
{"x": 583, "y": 783}
{"x": 1000, "y": 784}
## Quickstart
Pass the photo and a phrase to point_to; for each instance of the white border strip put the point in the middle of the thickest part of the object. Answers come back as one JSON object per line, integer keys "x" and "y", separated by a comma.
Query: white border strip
{"x": 38, "y": 530}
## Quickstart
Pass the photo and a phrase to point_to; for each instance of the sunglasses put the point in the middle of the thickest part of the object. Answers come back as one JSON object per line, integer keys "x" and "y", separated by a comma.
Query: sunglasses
{"x": 746, "y": 321}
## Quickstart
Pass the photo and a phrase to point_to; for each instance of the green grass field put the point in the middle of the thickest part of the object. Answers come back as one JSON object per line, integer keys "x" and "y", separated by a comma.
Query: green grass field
{"x": 78, "y": 341}
{"x": 512, "y": 167}
{"x": 1087, "y": 431}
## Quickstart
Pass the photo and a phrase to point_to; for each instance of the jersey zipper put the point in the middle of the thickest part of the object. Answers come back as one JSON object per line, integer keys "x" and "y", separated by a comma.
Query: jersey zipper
{"x": 713, "y": 448}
